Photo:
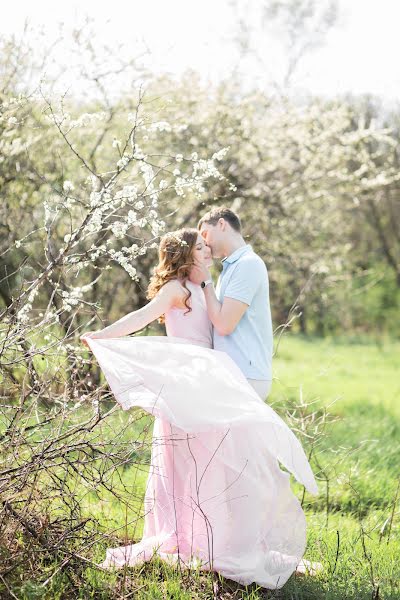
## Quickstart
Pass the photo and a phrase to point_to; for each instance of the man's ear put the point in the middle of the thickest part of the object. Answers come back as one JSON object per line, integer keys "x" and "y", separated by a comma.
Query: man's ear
{"x": 222, "y": 223}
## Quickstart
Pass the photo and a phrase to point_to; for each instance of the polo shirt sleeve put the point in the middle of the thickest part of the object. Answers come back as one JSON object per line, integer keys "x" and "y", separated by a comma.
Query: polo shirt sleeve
{"x": 245, "y": 280}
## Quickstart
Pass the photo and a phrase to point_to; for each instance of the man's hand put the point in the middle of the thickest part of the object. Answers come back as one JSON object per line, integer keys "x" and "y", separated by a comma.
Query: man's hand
{"x": 199, "y": 273}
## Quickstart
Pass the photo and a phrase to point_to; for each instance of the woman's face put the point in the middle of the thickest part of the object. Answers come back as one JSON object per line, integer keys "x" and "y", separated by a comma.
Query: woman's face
{"x": 202, "y": 253}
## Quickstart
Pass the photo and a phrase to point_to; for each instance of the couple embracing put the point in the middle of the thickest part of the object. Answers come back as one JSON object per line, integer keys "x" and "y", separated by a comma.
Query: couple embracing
{"x": 216, "y": 496}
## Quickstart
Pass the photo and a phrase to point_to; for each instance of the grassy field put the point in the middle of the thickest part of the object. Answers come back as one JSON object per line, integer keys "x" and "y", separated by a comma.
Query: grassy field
{"x": 353, "y": 525}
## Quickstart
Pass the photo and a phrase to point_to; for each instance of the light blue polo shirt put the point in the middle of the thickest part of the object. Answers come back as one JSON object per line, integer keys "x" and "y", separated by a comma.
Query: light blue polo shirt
{"x": 244, "y": 277}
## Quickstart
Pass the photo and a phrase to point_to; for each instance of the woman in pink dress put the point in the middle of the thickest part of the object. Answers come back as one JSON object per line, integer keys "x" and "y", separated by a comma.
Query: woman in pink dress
{"x": 216, "y": 496}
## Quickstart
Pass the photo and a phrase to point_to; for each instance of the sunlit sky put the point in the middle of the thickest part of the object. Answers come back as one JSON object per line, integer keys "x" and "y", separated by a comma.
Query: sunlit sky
{"x": 360, "y": 54}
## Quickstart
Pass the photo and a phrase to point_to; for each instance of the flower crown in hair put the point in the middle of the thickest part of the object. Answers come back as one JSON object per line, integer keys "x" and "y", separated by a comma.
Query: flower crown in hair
{"x": 177, "y": 240}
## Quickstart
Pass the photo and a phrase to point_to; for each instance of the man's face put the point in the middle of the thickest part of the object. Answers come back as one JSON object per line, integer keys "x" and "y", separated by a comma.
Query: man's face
{"x": 212, "y": 235}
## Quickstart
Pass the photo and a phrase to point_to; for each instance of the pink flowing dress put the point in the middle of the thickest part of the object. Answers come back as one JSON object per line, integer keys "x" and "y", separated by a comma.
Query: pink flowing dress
{"x": 216, "y": 497}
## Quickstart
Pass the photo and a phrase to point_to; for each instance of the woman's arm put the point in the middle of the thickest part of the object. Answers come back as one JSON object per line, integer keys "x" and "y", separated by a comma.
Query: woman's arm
{"x": 170, "y": 294}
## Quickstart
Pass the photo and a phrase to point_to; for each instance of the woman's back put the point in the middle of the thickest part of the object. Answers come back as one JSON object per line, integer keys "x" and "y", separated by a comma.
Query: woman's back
{"x": 194, "y": 326}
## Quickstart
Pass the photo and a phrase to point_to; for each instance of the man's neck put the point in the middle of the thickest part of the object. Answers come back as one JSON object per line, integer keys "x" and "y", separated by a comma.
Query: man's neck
{"x": 234, "y": 244}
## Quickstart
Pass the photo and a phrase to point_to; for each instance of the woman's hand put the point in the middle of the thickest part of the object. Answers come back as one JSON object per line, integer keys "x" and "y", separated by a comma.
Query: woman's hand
{"x": 199, "y": 272}
{"x": 90, "y": 334}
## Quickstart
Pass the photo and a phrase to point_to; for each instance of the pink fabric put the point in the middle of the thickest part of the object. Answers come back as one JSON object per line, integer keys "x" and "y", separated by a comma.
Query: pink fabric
{"x": 215, "y": 497}
{"x": 193, "y": 326}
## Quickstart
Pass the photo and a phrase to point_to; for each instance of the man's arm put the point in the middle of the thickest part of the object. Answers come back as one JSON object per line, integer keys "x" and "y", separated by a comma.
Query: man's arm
{"x": 223, "y": 315}
{"x": 239, "y": 292}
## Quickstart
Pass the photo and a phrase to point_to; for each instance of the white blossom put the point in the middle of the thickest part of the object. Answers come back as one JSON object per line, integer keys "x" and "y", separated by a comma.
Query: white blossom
{"x": 92, "y": 179}
{"x": 139, "y": 154}
{"x": 119, "y": 228}
{"x": 132, "y": 217}
{"x": 73, "y": 296}
{"x": 179, "y": 186}
{"x": 68, "y": 186}
{"x": 67, "y": 202}
{"x": 124, "y": 261}
{"x": 95, "y": 199}
{"x": 123, "y": 161}
{"x": 148, "y": 175}
{"x": 23, "y": 313}
{"x": 128, "y": 192}
{"x": 86, "y": 119}
{"x": 220, "y": 154}
{"x": 95, "y": 222}
{"x": 160, "y": 126}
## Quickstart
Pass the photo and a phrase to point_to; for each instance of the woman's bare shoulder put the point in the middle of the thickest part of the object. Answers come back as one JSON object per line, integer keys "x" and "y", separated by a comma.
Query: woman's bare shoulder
{"x": 174, "y": 288}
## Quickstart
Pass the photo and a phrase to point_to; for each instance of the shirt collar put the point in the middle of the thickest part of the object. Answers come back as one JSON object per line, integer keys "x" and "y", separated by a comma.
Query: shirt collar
{"x": 236, "y": 254}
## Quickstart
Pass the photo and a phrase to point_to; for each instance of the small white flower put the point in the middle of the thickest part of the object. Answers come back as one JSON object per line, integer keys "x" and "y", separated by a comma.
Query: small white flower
{"x": 68, "y": 186}
{"x": 132, "y": 217}
{"x": 160, "y": 126}
{"x": 119, "y": 229}
{"x": 179, "y": 158}
{"x": 128, "y": 192}
{"x": 220, "y": 154}
{"x": 95, "y": 199}
{"x": 148, "y": 175}
{"x": 138, "y": 153}
{"x": 123, "y": 161}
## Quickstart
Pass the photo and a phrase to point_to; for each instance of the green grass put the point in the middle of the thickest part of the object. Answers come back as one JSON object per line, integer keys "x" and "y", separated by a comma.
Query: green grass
{"x": 357, "y": 375}
{"x": 361, "y": 384}
{"x": 348, "y": 523}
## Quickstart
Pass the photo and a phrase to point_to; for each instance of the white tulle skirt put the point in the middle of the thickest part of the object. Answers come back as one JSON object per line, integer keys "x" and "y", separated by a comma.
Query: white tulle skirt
{"x": 216, "y": 496}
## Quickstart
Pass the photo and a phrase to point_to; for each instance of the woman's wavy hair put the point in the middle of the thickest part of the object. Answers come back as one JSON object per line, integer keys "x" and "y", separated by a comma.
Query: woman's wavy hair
{"x": 175, "y": 260}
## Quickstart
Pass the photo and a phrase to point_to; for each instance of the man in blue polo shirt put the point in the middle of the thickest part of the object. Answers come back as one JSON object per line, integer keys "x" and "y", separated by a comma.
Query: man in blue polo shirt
{"x": 239, "y": 308}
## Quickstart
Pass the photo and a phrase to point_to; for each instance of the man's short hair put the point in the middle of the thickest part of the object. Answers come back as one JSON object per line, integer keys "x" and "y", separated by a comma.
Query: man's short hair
{"x": 221, "y": 212}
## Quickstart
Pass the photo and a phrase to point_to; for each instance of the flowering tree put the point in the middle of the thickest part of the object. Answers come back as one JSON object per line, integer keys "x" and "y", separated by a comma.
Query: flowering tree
{"x": 86, "y": 207}
{"x": 302, "y": 177}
